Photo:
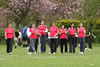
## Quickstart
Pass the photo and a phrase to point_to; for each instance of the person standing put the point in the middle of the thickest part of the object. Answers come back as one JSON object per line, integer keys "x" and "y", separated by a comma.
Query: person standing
{"x": 72, "y": 32}
{"x": 9, "y": 36}
{"x": 90, "y": 34}
{"x": 43, "y": 29}
{"x": 24, "y": 32}
{"x": 32, "y": 39}
{"x": 37, "y": 37}
{"x": 16, "y": 41}
{"x": 63, "y": 39}
{"x": 81, "y": 35}
{"x": 53, "y": 38}
{"x": 20, "y": 38}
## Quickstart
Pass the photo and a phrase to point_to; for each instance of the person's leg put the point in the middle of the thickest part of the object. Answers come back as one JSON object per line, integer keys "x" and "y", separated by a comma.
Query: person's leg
{"x": 36, "y": 44}
{"x": 51, "y": 45}
{"x": 73, "y": 42}
{"x": 55, "y": 45}
{"x": 44, "y": 43}
{"x": 83, "y": 44}
{"x": 10, "y": 45}
{"x": 31, "y": 43}
{"x": 89, "y": 42}
{"x": 70, "y": 44}
{"x": 80, "y": 40}
{"x": 7, "y": 42}
{"x": 65, "y": 43}
{"x": 61, "y": 45}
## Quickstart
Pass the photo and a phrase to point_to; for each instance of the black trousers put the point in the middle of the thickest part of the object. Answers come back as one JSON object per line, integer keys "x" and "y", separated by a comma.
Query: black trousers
{"x": 63, "y": 43}
{"x": 89, "y": 42}
{"x": 71, "y": 44}
{"x": 36, "y": 44}
{"x": 75, "y": 41}
{"x": 19, "y": 41}
{"x": 82, "y": 44}
{"x": 53, "y": 45}
{"x": 9, "y": 43}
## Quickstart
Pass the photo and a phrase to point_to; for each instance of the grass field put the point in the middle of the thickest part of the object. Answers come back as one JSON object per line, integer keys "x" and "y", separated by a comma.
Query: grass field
{"x": 20, "y": 58}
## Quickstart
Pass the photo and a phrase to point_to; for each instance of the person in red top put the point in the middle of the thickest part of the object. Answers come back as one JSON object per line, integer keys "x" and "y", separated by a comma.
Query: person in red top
{"x": 32, "y": 39}
{"x": 37, "y": 37}
{"x": 72, "y": 32}
{"x": 53, "y": 38}
{"x": 43, "y": 29}
{"x": 63, "y": 39}
{"x": 9, "y": 35}
{"x": 81, "y": 35}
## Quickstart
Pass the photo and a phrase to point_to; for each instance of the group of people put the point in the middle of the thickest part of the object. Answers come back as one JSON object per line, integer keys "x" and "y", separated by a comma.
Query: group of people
{"x": 35, "y": 35}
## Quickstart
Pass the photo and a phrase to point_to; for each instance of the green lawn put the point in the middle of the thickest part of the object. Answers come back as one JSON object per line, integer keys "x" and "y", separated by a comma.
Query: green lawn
{"x": 20, "y": 58}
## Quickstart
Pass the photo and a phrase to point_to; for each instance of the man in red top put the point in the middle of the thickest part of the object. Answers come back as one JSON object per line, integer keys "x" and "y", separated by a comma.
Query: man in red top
{"x": 53, "y": 38}
{"x": 63, "y": 39}
{"x": 82, "y": 34}
{"x": 72, "y": 32}
{"x": 43, "y": 29}
{"x": 9, "y": 35}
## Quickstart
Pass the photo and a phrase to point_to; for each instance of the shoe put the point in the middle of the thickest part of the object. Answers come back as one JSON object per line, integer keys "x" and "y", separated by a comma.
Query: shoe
{"x": 54, "y": 52}
{"x": 35, "y": 53}
{"x": 49, "y": 52}
{"x": 29, "y": 53}
{"x": 81, "y": 53}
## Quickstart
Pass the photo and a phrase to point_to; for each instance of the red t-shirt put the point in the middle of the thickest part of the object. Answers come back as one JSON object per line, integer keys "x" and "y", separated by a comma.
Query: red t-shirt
{"x": 63, "y": 34}
{"x": 43, "y": 28}
{"x": 72, "y": 31}
{"x": 53, "y": 31}
{"x": 33, "y": 33}
{"x": 38, "y": 32}
{"x": 81, "y": 32}
{"x": 9, "y": 33}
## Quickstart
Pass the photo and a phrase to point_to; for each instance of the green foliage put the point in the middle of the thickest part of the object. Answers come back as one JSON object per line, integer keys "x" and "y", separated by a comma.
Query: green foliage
{"x": 4, "y": 3}
{"x": 2, "y": 36}
{"x": 97, "y": 34}
{"x": 98, "y": 24}
{"x": 67, "y": 22}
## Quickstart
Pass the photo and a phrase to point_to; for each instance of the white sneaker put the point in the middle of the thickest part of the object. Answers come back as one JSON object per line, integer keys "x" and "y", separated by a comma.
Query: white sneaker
{"x": 89, "y": 49}
{"x": 35, "y": 53}
{"x": 81, "y": 53}
{"x": 66, "y": 53}
{"x": 10, "y": 53}
{"x": 49, "y": 52}
{"x": 54, "y": 52}
{"x": 86, "y": 48}
{"x": 29, "y": 53}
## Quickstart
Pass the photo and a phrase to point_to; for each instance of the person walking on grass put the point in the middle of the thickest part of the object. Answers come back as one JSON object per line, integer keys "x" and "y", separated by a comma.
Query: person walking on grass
{"x": 43, "y": 29}
{"x": 16, "y": 41}
{"x": 24, "y": 32}
{"x": 9, "y": 36}
{"x": 63, "y": 39}
{"x": 32, "y": 39}
{"x": 53, "y": 38}
{"x": 72, "y": 32}
{"x": 37, "y": 37}
{"x": 81, "y": 35}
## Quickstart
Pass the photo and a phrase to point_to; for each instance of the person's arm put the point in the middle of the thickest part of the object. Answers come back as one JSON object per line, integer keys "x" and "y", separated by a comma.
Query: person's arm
{"x": 93, "y": 35}
{"x": 5, "y": 35}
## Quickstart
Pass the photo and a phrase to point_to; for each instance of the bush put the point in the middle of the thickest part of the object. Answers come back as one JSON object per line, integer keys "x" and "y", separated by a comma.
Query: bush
{"x": 67, "y": 22}
{"x": 2, "y": 36}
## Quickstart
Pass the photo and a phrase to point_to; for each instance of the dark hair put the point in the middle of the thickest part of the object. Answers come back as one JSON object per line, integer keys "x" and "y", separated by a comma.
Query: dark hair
{"x": 71, "y": 23}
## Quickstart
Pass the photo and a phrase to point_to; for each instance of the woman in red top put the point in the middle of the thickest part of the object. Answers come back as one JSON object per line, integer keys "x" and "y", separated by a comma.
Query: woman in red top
{"x": 53, "y": 38}
{"x": 63, "y": 39}
{"x": 32, "y": 39}
{"x": 72, "y": 32}
{"x": 37, "y": 37}
{"x": 9, "y": 35}
{"x": 81, "y": 35}
{"x": 43, "y": 29}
